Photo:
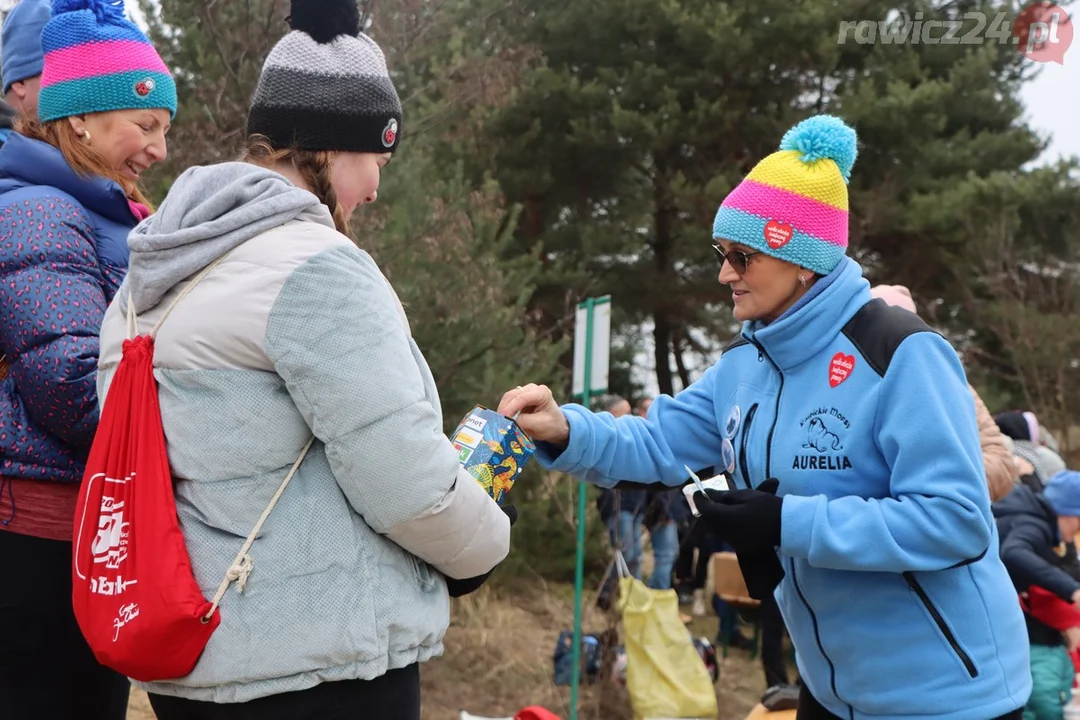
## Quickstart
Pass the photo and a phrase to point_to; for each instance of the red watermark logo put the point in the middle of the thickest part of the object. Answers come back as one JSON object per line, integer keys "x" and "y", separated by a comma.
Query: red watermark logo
{"x": 1043, "y": 32}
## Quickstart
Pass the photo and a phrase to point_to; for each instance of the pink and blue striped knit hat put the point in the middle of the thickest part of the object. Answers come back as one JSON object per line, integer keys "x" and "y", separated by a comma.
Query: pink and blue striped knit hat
{"x": 97, "y": 60}
{"x": 794, "y": 204}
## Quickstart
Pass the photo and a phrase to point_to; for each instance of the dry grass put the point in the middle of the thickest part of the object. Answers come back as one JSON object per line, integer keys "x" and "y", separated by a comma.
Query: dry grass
{"x": 499, "y": 659}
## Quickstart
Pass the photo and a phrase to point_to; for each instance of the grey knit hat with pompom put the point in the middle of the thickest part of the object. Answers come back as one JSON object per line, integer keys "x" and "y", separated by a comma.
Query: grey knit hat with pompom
{"x": 325, "y": 86}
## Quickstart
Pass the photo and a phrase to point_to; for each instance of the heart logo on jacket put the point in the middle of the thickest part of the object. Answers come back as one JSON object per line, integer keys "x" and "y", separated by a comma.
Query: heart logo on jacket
{"x": 840, "y": 368}
{"x": 777, "y": 234}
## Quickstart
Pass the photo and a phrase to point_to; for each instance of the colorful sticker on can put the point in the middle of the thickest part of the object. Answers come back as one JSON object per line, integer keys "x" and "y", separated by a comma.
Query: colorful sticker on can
{"x": 493, "y": 449}
{"x": 727, "y": 455}
{"x": 475, "y": 422}
{"x": 463, "y": 452}
{"x": 731, "y": 425}
{"x": 467, "y": 437}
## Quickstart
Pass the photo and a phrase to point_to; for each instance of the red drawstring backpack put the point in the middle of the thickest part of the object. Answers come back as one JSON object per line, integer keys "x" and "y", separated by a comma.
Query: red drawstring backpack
{"x": 135, "y": 596}
{"x": 535, "y": 712}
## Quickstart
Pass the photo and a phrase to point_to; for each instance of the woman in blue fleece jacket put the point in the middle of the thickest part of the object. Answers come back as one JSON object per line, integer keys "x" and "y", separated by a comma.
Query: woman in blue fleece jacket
{"x": 850, "y": 435}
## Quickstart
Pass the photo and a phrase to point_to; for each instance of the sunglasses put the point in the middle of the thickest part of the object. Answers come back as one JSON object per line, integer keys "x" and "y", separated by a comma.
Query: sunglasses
{"x": 736, "y": 258}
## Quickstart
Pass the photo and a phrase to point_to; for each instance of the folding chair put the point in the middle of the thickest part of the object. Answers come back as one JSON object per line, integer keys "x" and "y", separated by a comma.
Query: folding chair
{"x": 731, "y": 587}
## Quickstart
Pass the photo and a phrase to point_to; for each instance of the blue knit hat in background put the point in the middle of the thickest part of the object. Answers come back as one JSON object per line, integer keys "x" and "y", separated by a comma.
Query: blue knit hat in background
{"x": 21, "y": 56}
{"x": 1063, "y": 493}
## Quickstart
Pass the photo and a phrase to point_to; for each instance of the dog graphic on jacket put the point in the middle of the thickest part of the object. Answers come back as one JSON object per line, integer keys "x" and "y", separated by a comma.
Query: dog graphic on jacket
{"x": 819, "y": 437}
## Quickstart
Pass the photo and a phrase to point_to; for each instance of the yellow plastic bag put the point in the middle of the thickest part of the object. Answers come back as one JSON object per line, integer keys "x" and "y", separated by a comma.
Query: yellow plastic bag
{"x": 665, "y": 676}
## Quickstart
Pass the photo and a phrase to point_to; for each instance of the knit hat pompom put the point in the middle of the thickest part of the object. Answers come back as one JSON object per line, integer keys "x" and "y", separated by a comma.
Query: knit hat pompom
{"x": 324, "y": 20}
{"x": 96, "y": 60}
{"x": 794, "y": 204}
{"x": 823, "y": 137}
{"x": 112, "y": 9}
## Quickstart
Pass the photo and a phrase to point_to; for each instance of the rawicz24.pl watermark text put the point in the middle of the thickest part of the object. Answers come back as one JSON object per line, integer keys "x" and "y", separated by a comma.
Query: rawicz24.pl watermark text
{"x": 1042, "y": 32}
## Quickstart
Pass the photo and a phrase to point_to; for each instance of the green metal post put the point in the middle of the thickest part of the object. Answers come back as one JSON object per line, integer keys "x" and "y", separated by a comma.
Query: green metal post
{"x": 579, "y": 562}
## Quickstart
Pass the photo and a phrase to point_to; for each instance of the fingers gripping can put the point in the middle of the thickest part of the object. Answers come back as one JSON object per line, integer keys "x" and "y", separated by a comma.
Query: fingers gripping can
{"x": 493, "y": 449}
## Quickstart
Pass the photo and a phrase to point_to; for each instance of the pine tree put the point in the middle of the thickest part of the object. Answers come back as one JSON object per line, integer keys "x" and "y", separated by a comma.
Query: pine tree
{"x": 215, "y": 51}
{"x": 640, "y": 116}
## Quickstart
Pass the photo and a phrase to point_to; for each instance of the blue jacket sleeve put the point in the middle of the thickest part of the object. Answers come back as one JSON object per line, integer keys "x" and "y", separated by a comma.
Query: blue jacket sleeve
{"x": 937, "y": 514}
{"x": 51, "y": 305}
{"x": 680, "y": 430}
{"x": 1027, "y": 567}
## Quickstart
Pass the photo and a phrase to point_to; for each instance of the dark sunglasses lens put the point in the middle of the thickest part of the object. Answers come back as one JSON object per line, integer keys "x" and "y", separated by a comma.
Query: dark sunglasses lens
{"x": 736, "y": 259}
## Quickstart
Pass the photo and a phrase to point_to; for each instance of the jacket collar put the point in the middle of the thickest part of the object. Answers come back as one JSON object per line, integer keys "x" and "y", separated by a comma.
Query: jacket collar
{"x": 815, "y": 320}
{"x": 26, "y": 163}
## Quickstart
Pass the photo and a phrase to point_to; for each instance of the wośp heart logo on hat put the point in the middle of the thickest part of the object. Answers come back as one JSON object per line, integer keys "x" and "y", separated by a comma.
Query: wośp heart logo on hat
{"x": 777, "y": 234}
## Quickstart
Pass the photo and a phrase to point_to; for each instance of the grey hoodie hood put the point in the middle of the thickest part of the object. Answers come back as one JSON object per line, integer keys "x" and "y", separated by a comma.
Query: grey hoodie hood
{"x": 208, "y": 212}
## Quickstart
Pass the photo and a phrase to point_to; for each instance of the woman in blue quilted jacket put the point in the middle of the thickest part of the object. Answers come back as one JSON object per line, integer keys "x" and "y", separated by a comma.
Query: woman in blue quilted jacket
{"x": 68, "y": 198}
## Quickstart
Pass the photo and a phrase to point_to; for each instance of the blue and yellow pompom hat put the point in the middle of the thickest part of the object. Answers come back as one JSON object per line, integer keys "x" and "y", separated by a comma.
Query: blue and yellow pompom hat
{"x": 97, "y": 60}
{"x": 794, "y": 204}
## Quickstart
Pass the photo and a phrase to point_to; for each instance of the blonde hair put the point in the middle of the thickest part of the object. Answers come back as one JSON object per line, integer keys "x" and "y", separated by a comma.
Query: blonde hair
{"x": 82, "y": 158}
{"x": 312, "y": 165}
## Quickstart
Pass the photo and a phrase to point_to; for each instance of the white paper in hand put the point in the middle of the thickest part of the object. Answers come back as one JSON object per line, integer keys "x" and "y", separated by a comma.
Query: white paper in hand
{"x": 717, "y": 482}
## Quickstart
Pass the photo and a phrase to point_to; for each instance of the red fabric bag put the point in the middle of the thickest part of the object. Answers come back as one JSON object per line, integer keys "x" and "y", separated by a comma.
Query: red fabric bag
{"x": 134, "y": 593}
{"x": 135, "y": 596}
{"x": 1048, "y": 608}
{"x": 535, "y": 712}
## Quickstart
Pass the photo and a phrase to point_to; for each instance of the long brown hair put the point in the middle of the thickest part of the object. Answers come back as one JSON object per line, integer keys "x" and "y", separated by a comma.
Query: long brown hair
{"x": 82, "y": 158}
{"x": 312, "y": 165}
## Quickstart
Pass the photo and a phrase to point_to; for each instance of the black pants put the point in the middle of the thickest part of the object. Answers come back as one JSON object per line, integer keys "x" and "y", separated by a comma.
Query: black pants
{"x": 772, "y": 643}
{"x": 393, "y": 696}
{"x": 46, "y": 668}
{"x": 691, "y": 572}
{"x": 810, "y": 709}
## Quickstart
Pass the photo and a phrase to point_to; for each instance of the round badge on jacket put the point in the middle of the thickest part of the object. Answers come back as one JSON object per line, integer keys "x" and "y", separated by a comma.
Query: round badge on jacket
{"x": 731, "y": 425}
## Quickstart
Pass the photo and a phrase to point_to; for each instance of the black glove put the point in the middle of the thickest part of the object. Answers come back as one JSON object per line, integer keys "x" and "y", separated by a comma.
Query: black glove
{"x": 761, "y": 572}
{"x": 748, "y": 519}
{"x": 458, "y": 588}
{"x": 761, "y": 568}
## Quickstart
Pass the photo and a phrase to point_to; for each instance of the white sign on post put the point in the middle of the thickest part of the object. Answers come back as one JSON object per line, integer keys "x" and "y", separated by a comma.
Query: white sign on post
{"x": 599, "y": 344}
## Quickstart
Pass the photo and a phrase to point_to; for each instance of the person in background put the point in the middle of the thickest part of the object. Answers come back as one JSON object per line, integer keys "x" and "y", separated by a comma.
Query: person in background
{"x": 1038, "y": 462}
{"x": 692, "y": 570}
{"x": 295, "y": 336}
{"x": 69, "y": 196}
{"x": 21, "y": 56}
{"x": 661, "y": 514}
{"x": 849, "y": 430}
{"x": 623, "y": 514}
{"x": 1047, "y": 440}
{"x": 1001, "y": 471}
{"x": 1033, "y": 531}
